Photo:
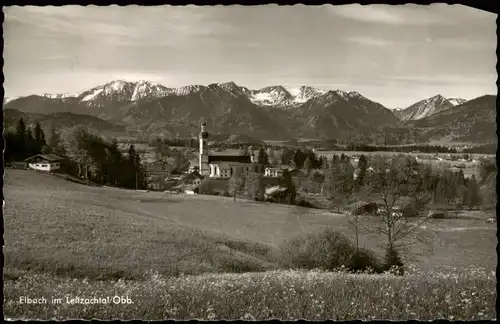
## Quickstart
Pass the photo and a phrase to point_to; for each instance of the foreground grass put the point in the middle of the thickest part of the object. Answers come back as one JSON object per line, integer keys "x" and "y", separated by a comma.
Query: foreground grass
{"x": 286, "y": 295}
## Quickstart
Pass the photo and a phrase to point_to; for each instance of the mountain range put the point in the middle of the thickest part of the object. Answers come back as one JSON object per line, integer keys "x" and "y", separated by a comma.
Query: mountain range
{"x": 427, "y": 107}
{"x": 144, "y": 109}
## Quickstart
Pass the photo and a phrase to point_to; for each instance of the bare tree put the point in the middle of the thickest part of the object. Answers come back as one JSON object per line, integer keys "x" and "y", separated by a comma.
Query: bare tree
{"x": 398, "y": 188}
{"x": 254, "y": 186}
{"x": 355, "y": 217}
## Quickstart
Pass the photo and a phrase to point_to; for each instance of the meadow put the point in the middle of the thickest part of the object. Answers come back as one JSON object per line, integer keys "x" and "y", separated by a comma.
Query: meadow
{"x": 168, "y": 253}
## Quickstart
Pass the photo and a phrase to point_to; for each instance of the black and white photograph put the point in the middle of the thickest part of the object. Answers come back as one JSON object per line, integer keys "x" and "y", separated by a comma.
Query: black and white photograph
{"x": 314, "y": 162}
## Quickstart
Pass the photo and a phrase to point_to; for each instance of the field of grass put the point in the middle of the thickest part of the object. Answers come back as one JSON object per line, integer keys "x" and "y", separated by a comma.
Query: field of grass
{"x": 64, "y": 238}
{"x": 287, "y": 295}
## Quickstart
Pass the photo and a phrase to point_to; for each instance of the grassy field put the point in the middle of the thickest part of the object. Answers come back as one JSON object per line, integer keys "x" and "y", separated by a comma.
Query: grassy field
{"x": 81, "y": 239}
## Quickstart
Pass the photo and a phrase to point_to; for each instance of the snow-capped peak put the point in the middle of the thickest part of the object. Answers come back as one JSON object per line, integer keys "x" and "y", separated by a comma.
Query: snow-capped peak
{"x": 233, "y": 88}
{"x": 355, "y": 94}
{"x": 184, "y": 91}
{"x": 60, "y": 96}
{"x": 456, "y": 101}
{"x": 306, "y": 93}
{"x": 127, "y": 91}
{"x": 145, "y": 89}
{"x": 273, "y": 95}
{"x": 343, "y": 94}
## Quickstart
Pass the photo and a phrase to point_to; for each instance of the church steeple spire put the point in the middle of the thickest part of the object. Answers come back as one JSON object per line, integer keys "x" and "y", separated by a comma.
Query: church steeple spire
{"x": 203, "y": 160}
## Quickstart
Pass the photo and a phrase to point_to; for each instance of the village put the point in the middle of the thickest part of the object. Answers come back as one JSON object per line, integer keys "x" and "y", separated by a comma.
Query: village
{"x": 304, "y": 176}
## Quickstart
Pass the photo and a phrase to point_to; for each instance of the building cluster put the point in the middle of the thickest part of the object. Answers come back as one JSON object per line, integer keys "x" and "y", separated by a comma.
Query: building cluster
{"x": 224, "y": 166}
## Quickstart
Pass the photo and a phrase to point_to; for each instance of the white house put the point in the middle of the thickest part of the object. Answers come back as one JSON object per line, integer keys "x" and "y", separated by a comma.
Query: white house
{"x": 275, "y": 171}
{"x": 44, "y": 162}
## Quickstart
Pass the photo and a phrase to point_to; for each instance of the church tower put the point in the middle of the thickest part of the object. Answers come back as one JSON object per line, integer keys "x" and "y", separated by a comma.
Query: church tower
{"x": 203, "y": 159}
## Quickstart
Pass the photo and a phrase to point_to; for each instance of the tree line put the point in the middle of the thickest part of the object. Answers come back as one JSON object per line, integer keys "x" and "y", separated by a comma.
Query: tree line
{"x": 84, "y": 154}
{"x": 24, "y": 141}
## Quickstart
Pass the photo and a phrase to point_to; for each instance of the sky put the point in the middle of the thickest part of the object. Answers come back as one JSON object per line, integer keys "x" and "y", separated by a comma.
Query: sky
{"x": 394, "y": 55}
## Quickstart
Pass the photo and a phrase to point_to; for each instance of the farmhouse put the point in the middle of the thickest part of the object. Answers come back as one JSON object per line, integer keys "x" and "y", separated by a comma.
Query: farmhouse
{"x": 192, "y": 179}
{"x": 158, "y": 173}
{"x": 275, "y": 171}
{"x": 44, "y": 162}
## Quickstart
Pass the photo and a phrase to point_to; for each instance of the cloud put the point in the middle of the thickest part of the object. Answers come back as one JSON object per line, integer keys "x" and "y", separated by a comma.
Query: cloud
{"x": 411, "y": 14}
{"x": 55, "y": 57}
{"x": 440, "y": 79}
{"x": 373, "y": 41}
{"x": 129, "y": 25}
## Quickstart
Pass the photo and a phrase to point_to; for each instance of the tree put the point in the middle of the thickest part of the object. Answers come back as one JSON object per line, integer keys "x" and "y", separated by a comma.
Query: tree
{"x": 206, "y": 187}
{"x": 355, "y": 218}
{"x": 55, "y": 143}
{"x": 473, "y": 196}
{"x": 39, "y": 137}
{"x": 20, "y": 139}
{"x": 486, "y": 168}
{"x": 287, "y": 156}
{"x": 138, "y": 175}
{"x": 287, "y": 182}
{"x": 262, "y": 157}
{"x": 298, "y": 159}
{"x": 313, "y": 182}
{"x": 363, "y": 167}
{"x": 335, "y": 160}
{"x": 254, "y": 186}
{"x": 46, "y": 149}
{"x": 181, "y": 162}
{"x": 397, "y": 188}
{"x": 324, "y": 163}
{"x": 31, "y": 145}
{"x": 161, "y": 148}
{"x": 244, "y": 150}
{"x": 488, "y": 193}
{"x": 236, "y": 184}
{"x": 362, "y": 162}
{"x": 457, "y": 205}
{"x": 114, "y": 160}
{"x": 274, "y": 157}
{"x": 308, "y": 165}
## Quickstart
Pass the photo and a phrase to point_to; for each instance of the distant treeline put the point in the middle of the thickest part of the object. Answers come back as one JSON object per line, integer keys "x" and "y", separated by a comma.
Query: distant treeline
{"x": 403, "y": 149}
{"x": 482, "y": 149}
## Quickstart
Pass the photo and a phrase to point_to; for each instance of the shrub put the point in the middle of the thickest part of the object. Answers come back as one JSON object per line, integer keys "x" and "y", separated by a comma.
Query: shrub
{"x": 326, "y": 250}
{"x": 364, "y": 260}
{"x": 302, "y": 202}
{"x": 206, "y": 187}
{"x": 393, "y": 262}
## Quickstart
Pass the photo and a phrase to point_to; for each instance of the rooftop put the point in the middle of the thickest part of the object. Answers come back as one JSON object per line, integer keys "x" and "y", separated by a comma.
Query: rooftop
{"x": 230, "y": 158}
{"x": 49, "y": 157}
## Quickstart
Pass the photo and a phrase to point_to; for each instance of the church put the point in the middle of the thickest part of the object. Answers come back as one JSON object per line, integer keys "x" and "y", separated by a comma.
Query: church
{"x": 222, "y": 166}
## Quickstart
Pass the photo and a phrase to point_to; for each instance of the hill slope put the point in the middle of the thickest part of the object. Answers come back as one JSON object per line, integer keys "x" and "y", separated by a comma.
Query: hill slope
{"x": 58, "y": 226}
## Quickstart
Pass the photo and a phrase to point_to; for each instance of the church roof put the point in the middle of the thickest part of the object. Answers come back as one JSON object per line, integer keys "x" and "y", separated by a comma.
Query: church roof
{"x": 229, "y": 158}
